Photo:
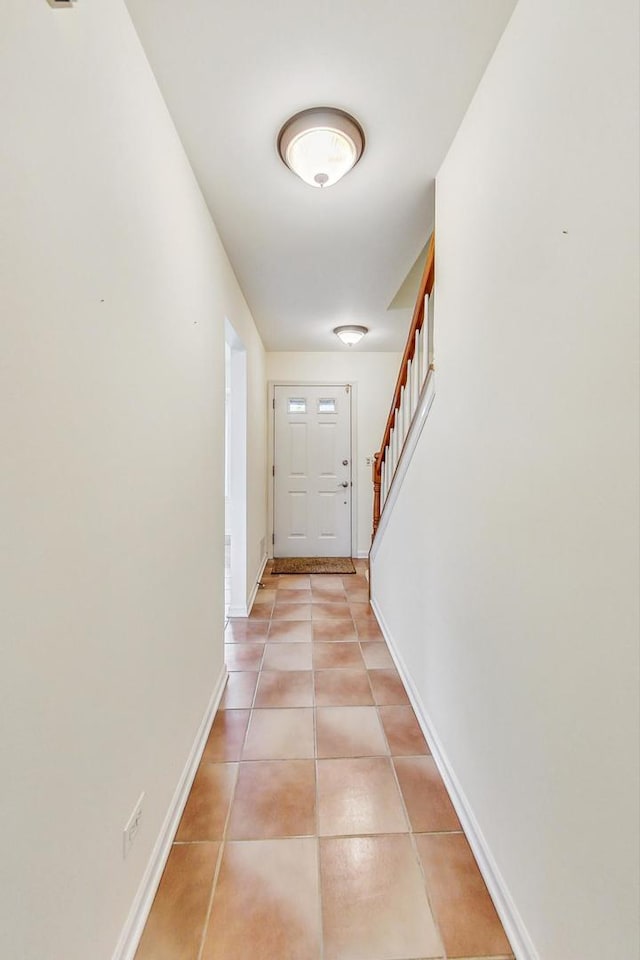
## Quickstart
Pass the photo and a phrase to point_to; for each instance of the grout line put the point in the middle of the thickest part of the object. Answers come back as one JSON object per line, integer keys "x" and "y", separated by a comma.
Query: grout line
{"x": 411, "y": 834}
{"x": 214, "y": 883}
{"x": 224, "y": 832}
{"x": 221, "y": 851}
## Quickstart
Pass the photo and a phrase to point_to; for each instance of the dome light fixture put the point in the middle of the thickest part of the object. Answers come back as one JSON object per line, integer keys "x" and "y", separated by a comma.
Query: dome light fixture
{"x": 320, "y": 145}
{"x": 350, "y": 333}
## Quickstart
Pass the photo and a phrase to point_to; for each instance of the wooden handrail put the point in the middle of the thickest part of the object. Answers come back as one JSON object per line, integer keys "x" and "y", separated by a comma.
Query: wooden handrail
{"x": 417, "y": 321}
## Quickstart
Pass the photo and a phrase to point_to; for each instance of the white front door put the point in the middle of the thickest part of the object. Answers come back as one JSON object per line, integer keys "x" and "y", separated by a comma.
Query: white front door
{"x": 312, "y": 471}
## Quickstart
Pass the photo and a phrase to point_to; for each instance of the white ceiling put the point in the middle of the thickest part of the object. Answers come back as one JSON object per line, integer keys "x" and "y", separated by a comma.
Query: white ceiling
{"x": 233, "y": 72}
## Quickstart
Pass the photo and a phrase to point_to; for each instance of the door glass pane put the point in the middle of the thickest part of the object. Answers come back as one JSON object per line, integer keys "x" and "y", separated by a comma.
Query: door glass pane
{"x": 296, "y": 405}
{"x": 327, "y": 405}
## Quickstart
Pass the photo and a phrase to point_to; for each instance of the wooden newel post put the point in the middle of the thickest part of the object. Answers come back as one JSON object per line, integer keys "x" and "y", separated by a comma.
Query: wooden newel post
{"x": 376, "y": 491}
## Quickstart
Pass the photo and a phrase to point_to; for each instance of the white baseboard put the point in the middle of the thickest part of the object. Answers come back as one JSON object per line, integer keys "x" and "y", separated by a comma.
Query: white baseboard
{"x": 362, "y": 555}
{"x": 513, "y": 923}
{"x": 256, "y": 584}
{"x": 244, "y": 611}
{"x": 134, "y": 925}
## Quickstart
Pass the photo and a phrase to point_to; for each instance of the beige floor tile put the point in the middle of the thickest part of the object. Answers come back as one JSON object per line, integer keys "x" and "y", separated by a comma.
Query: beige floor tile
{"x": 368, "y": 630}
{"x": 261, "y": 610}
{"x": 206, "y": 811}
{"x": 376, "y": 656}
{"x": 321, "y": 593}
{"x": 332, "y": 630}
{"x": 292, "y": 611}
{"x": 293, "y": 596}
{"x": 226, "y": 737}
{"x": 291, "y": 582}
{"x": 266, "y": 595}
{"x": 266, "y": 905}
{"x": 239, "y": 691}
{"x": 359, "y": 797}
{"x": 467, "y": 918}
{"x": 243, "y": 631}
{"x": 403, "y": 732}
{"x": 342, "y": 688}
{"x": 332, "y": 656}
{"x": 270, "y": 583}
{"x": 358, "y": 595}
{"x": 287, "y": 656}
{"x": 330, "y": 611}
{"x": 243, "y": 656}
{"x": 325, "y": 581}
{"x": 274, "y": 798}
{"x": 355, "y": 582}
{"x": 387, "y": 687}
{"x": 374, "y": 901}
{"x": 285, "y": 688}
{"x": 290, "y": 631}
{"x": 176, "y": 923}
{"x": 361, "y": 610}
{"x": 280, "y": 735}
{"x": 425, "y": 795}
{"x": 349, "y": 732}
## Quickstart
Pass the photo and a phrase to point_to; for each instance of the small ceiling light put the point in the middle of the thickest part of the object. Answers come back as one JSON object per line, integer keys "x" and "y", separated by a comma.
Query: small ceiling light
{"x": 350, "y": 334}
{"x": 320, "y": 145}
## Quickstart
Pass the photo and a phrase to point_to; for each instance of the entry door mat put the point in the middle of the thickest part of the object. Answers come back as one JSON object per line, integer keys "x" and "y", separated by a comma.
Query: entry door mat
{"x": 333, "y": 565}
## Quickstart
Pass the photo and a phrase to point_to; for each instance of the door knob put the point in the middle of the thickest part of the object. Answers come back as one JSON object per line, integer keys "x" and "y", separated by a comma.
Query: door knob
{"x": 344, "y": 483}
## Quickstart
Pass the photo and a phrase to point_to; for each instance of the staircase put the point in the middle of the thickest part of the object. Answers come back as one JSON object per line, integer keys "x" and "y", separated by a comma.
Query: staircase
{"x": 412, "y": 399}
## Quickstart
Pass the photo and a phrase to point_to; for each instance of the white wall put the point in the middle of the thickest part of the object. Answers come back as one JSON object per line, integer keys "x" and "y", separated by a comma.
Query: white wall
{"x": 375, "y": 375}
{"x": 115, "y": 291}
{"x": 508, "y": 575}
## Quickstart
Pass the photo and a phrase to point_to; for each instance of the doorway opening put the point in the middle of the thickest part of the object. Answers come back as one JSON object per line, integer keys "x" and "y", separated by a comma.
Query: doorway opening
{"x": 235, "y": 474}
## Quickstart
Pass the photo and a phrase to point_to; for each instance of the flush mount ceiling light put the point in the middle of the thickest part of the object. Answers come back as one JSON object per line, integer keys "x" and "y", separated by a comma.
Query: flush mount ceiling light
{"x": 320, "y": 145}
{"x": 350, "y": 334}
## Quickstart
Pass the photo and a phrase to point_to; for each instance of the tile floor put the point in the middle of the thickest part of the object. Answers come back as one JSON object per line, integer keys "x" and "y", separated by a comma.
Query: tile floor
{"x": 318, "y": 827}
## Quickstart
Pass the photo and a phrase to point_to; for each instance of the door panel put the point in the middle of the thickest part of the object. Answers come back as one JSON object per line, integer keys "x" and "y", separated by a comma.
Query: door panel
{"x": 298, "y": 449}
{"x": 298, "y": 514}
{"x": 312, "y": 471}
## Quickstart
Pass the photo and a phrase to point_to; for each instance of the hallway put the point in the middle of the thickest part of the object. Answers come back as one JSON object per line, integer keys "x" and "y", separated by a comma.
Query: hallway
{"x": 318, "y": 827}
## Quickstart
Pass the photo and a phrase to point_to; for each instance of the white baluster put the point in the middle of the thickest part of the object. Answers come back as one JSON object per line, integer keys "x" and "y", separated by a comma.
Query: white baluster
{"x": 415, "y": 369}
{"x": 430, "y": 317}
{"x": 420, "y": 353}
{"x": 406, "y": 413}
{"x": 394, "y": 447}
{"x": 386, "y": 472}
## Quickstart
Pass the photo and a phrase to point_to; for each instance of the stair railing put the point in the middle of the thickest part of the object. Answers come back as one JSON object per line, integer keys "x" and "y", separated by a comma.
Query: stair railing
{"x": 416, "y": 364}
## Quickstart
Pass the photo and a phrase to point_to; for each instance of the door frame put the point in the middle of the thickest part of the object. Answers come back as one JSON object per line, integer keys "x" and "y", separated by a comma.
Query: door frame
{"x": 271, "y": 436}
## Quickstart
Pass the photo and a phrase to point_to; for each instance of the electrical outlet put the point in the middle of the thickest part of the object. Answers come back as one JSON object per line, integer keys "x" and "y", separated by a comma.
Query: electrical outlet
{"x": 132, "y": 827}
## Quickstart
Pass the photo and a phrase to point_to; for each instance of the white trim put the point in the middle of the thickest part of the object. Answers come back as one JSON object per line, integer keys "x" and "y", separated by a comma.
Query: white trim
{"x": 244, "y": 611}
{"x": 514, "y": 926}
{"x": 134, "y": 924}
{"x": 257, "y": 584}
{"x": 353, "y": 385}
{"x": 361, "y": 554}
{"x": 426, "y": 398}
